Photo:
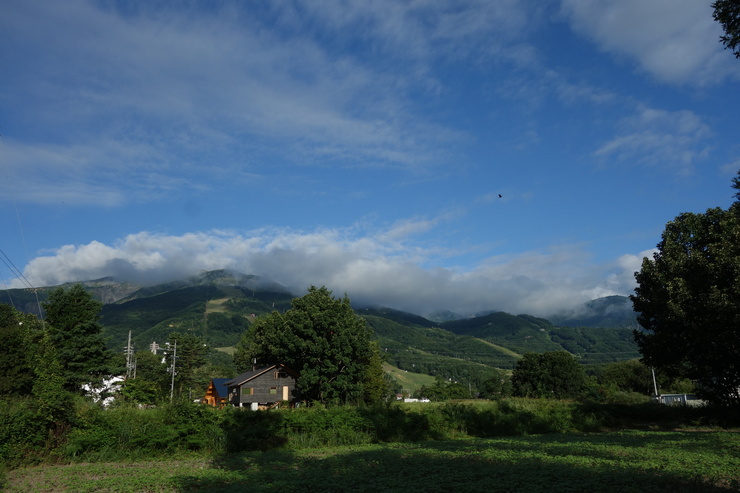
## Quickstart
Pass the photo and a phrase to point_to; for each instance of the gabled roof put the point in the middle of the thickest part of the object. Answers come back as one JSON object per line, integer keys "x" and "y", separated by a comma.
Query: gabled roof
{"x": 250, "y": 375}
{"x": 247, "y": 376}
{"x": 219, "y": 384}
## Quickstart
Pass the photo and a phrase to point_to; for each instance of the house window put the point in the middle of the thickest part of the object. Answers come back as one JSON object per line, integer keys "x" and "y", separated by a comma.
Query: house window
{"x": 273, "y": 390}
{"x": 248, "y": 391}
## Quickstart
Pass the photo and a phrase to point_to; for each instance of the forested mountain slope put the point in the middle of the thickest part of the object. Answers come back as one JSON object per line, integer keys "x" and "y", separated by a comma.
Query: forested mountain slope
{"x": 219, "y": 306}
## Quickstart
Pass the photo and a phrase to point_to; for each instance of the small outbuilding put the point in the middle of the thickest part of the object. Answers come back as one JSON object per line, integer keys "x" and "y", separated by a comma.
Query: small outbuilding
{"x": 679, "y": 400}
{"x": 263, "y": 388}
{"x": 217, "y": 394}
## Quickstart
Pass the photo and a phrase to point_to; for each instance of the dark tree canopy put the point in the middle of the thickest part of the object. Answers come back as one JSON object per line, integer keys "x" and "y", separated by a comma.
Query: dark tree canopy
{"x": 496, "y": 387}
{"x": 152, "y": 381}
{"x": 553, "y": 374}
{"x": 629, "y": 376}
{"x": 319, "y": 337}
{"x": 16, "y": 370}
{"x": 727, "y": 13}
{"x": 75, "y": 331}
{"x": 29, "y": 367}
{"x": 688, "y": 298}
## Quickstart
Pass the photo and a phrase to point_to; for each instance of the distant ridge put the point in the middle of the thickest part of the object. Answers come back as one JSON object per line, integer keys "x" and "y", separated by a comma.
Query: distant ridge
{"x": 444, "y": 316}
{"x": 221, "y": 277}
{"x": 610, "y": 311}
{"x": 220, "y": 305}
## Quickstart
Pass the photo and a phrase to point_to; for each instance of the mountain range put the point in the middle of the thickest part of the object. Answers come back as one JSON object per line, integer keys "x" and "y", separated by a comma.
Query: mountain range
{"x": 219, "y": 306}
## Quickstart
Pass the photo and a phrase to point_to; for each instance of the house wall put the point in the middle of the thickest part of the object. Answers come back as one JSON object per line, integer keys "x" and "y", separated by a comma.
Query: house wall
{"x": 212, "y": 398}
{"x": 261, "y": 388}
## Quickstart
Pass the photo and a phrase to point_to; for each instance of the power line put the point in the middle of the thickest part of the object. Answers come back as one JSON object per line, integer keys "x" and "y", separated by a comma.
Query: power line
{"x": 6, "y": 260}
{"x": 14, "y": 270}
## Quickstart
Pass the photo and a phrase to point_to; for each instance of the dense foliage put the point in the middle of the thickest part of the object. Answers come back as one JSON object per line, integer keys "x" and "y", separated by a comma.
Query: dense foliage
{"x": 127, "y": 432}
{"x": 191, "y": 356}
{"x": 35, "y": 408}
{"x": 688, "y": 297}
{"x": 555, "y": 374}
{"x": 323, "y": 340}
{"x": 727, "y": 13}
{"x": 16, "y": 372}
{"x": 75, "y": 331}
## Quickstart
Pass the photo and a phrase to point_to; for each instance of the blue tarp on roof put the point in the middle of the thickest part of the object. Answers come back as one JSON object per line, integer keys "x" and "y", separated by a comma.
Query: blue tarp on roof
{"x": 219, "y": 384}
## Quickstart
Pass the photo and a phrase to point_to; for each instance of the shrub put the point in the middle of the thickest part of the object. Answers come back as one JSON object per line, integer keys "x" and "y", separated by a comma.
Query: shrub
{"x": 128, "y": 432}
{"x": 248, "y": 430}
{"x": 319, "y": 425}
{"x": 391, "y": 423}
{"x": 22, "y": 437}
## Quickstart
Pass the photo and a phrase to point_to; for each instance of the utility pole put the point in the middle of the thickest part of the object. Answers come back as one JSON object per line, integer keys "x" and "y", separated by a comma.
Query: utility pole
{"x": 172, "y": 368}
{"x": 130, "y": 363}
{"x": 655, "y": 383}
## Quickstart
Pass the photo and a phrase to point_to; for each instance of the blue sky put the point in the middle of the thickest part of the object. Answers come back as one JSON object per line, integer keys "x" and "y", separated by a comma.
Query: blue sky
{"x": 362, "y": 145}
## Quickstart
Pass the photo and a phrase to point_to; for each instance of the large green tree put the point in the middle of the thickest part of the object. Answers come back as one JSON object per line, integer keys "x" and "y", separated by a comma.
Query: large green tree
{"x": 628, "y": 376}
{"x": 29, "y": 367}
{"x": 688, "y": 300}
{"x": 16, "y": 371}
{"x": 496, "y": 387}
{"x": 727, "y": 13}
{"x": 322, "y": 339}
{"x": 554, "y": 374}
{"x": 151, "y": 381}
{"x": 191, "y": 356}
{"x": 75, "y": 331}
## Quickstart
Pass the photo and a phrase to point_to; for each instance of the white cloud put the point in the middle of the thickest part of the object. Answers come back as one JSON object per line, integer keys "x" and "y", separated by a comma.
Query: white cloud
{"x": 97, "y": 174}
{"x": 675, "y": 41}
{"x": 669, "y": 139}
{"x": 731, "y": 168}
{"x": 420, "y": 32}
{"x": 367, "y": 268}
{"x": 187, "y": 88}
{"x": 623, "y": 275}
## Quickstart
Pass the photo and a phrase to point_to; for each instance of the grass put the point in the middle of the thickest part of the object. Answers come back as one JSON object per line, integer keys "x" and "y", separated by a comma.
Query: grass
{"x": 502, "y": 349}
{"x": 216, "y": 306}
{"x": 409, "y": 380}
{"x": 619, "y": 461}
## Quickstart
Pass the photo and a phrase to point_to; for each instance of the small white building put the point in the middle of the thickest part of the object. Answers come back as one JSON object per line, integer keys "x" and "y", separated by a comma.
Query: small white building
{"x": 679, "y": 400}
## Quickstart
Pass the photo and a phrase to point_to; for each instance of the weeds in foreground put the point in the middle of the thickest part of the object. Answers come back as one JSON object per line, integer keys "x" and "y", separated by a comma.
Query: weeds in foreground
{"x": 618, "y": 461}
{"x": 127, "y": 433}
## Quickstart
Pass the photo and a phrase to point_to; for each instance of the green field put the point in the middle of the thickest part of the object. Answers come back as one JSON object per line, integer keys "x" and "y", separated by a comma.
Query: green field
{"x": 410, "y": 381}
{"x": 691, "y": 461}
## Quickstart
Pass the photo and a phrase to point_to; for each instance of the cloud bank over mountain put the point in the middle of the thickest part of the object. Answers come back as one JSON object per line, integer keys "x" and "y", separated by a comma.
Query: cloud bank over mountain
{"x": 377, "y": 269}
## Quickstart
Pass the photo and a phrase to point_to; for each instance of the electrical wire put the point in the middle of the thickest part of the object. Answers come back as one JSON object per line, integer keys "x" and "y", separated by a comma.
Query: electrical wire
{"x": 9, "y": 263}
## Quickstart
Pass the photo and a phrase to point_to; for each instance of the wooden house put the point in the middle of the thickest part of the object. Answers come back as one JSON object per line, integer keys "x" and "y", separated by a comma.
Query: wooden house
{"x": 263, "y": 388}
{"x": 217, "y": 394}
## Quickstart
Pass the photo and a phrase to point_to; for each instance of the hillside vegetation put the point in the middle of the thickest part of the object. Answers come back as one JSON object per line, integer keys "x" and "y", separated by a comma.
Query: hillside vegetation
{"x": 219, "y": 306}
